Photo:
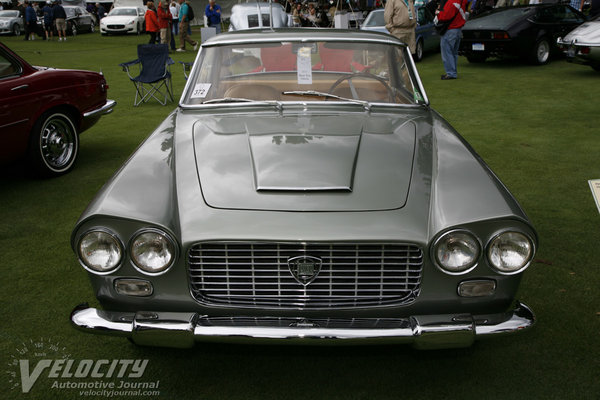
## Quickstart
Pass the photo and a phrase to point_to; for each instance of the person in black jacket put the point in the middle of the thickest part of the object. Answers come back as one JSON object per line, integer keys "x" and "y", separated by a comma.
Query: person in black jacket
{"x": 60, "y": 19}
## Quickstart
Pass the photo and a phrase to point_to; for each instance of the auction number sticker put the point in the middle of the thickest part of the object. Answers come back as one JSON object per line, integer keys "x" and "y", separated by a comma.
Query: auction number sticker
{"x": 595, "y": 186}
{"x": 200, "y": 90}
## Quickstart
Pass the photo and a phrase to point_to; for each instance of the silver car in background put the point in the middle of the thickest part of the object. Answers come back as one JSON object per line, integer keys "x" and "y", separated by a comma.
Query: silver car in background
{"x": 582, "y": 44}
{"x": 257, "y": 16}
{"x": 11, "y": 22}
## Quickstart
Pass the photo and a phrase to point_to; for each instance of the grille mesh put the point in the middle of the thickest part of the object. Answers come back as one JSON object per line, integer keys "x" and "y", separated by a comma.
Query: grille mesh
{"x": 258, "y": 275}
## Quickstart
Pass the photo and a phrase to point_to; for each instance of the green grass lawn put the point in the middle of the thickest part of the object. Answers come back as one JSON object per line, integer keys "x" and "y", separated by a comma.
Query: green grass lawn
{"x": 537, "y": 127}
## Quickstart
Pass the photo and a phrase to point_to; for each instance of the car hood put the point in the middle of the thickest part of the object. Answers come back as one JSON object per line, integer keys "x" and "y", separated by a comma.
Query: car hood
{"x": 305, "y": 163}
{"x": 589, "y": 32}
{"x": 500, "y": 19}
{"x": 118, "y": 19}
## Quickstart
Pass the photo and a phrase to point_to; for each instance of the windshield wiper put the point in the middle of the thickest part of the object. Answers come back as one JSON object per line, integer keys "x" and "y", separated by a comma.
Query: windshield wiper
{"x": 275, "y": 103}
{"x": 227, "y": 100}
{"x": 364, "y": 103}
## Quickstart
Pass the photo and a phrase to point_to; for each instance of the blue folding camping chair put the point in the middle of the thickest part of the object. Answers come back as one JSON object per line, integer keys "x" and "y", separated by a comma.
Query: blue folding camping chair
{"x": 154, "y": 79}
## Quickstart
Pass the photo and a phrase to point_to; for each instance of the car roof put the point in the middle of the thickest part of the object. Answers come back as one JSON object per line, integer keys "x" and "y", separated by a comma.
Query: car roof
{"x": 254, "y": 4}
{"x": 300, "y": 34}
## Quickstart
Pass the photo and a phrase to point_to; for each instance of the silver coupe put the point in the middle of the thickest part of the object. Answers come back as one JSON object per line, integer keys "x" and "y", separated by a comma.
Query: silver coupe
{"x": 304, "y": 191}
{"x": 11, "y": 22}
{"x": 582, "y": 44}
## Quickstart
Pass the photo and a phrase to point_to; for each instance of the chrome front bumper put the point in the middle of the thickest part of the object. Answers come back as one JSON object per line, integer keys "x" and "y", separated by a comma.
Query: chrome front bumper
{"x": 183, "y": 329}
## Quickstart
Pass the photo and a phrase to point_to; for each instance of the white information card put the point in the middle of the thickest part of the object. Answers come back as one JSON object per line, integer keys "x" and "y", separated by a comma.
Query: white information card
{"x": 304, "y": 66}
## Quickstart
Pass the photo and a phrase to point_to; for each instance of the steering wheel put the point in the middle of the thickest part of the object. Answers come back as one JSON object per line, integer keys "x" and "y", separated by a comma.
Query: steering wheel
{"x": 348, "y": 78}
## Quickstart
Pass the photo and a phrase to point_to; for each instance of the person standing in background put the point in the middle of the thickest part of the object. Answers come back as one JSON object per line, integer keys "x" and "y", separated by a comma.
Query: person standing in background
{"x": 164, "y": 22}
{"x": 174, "y": 9}
{"x": 101, "y": 12}
{"x": 60, "y": 19}
{"x": 151, "y": 23}
{"x": 48, "y": 21}
{"x": 453, "y": 11}
{"x": 401, "y": 20}
{"x": 183, "y": 27}
{"x": 30, "y": 22}
{"x": 213, "y": 15}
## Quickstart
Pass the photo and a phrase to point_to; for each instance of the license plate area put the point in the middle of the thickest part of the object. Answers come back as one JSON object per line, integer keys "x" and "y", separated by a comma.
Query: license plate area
{"x": 478, "y": 47}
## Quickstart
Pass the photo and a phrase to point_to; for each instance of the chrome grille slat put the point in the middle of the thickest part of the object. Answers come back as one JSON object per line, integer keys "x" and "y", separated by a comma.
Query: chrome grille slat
{"x": 256, "y": 274}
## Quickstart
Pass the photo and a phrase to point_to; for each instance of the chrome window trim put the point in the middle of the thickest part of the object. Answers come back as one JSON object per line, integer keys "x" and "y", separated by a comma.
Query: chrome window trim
{"x": 217, "y": 41}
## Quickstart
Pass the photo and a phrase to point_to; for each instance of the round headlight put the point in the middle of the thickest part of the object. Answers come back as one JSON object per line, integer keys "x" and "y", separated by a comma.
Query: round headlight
{"x": 100, "y": 252}
{"x": 510, "y": 252}
{"x": 152, "y": 252}
{"x": 456, "y": 252}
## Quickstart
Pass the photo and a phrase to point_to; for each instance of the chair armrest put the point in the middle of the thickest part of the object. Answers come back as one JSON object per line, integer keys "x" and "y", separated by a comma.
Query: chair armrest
{"x": 170, "y": 61}
{"x": 187, "y": 66}
{"x": 126, "y": 66}
{"x": 129, "y": 63}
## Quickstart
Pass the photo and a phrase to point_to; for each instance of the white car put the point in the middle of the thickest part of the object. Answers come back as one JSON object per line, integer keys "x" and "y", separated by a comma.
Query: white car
{"x": 124, "y": 20}
{"x": 246, "y": 16}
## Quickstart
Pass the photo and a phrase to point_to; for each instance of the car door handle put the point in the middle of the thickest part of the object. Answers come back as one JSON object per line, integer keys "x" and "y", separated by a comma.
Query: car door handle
{"x": 20, "y": 87}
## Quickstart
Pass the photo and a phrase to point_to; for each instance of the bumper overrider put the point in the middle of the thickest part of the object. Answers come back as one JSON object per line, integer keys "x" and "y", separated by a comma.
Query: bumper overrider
{"x": 92, "y": 116}
{"x": 183, "y": 329}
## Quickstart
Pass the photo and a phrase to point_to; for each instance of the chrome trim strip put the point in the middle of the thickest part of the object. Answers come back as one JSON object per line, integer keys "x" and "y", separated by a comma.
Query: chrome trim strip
{"x": 575, "y": 43}
{"x": 280, "y": 107}
{"x": 183, "y": 329}
{"x": 417, "y": 77}
{"x": 294, "y": 37}
{"x": 107, "y": 108}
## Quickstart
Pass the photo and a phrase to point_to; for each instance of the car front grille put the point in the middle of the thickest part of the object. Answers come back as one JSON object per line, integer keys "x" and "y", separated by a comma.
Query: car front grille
{"x": 115, "y": 26}
{"x": 257, "y": 274}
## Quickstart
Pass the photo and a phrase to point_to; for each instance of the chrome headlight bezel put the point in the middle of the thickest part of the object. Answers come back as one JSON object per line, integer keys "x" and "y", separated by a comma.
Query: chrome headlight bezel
{"x": 135, "y": 262}
{"x": 117, "y": 241}
{"x": 446, "y": 235}
{"x": 527, "y": 260}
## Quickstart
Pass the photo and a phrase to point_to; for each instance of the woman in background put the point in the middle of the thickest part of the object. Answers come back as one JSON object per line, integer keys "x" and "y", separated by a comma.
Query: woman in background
{"x": 152, "y": 23}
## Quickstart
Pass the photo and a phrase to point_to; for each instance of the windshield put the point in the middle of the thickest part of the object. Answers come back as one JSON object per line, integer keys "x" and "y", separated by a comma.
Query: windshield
{"x": 9, "y": 14}
{"x": 303, "y": 71}
{"x": 375, "y": 19}
{"x": 123, "y": 11}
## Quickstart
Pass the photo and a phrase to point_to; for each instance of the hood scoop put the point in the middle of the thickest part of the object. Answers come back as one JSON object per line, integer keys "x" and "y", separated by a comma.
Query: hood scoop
{"x": 302, "y": 162}
{"x": 352, "y": 162}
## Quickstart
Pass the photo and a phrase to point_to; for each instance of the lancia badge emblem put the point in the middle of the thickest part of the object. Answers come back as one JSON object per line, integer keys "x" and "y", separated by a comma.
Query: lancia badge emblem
{"x": 305, "y": 269}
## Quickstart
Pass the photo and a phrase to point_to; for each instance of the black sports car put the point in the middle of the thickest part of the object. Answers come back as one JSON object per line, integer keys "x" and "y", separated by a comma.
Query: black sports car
{"x": 528, "y": 32}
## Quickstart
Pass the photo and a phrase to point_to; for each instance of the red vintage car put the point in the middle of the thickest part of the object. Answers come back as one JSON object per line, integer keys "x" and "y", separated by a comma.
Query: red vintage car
{"x": 43, "y": 111}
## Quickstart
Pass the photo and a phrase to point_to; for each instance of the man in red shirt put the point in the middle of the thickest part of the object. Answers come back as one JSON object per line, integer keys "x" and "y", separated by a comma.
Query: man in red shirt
{"x": 453, "y": 11}
{"x": 165, "y": 19}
